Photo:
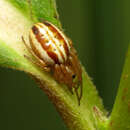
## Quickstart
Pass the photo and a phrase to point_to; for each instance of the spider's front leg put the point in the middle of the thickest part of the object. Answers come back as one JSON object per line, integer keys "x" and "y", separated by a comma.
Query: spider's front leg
{"x": 74, "y": 62}
{"x": 62, "y": 75}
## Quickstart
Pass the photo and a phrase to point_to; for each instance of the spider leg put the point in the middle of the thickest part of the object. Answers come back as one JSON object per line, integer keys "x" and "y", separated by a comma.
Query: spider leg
{"x": 47, "y": 69}
{"x": 67, "y": 77}
{"x": 58, "y": 73}
{"x": 79, "y": 94}
{"x": 75, "y": 62}
{"x": 77, "y": 69}
{"x": 39, "y": 62}
{"x": 61, "y": 76}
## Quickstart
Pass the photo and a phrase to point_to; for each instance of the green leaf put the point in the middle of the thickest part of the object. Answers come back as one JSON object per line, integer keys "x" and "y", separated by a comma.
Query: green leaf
{"x": 120, "y": 117}
{"x": 16, "y": 19}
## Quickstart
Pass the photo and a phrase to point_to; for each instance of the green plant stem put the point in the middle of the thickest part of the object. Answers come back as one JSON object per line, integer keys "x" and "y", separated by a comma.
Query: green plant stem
{"x": 120, "y": 117}
{"x": 76, "y": 117}
{"x": 16, "y": 22}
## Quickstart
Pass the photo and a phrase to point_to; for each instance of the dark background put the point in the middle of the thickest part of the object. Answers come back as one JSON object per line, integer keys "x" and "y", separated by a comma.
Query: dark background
{"x": 100, "y": 31}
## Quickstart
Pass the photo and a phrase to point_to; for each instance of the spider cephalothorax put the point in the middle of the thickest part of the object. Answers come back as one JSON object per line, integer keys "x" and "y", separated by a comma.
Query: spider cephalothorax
{"x": 54, "y": 52}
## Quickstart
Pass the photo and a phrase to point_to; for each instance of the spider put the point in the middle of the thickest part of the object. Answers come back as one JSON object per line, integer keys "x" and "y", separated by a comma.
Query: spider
{"x": 55, "y": 53}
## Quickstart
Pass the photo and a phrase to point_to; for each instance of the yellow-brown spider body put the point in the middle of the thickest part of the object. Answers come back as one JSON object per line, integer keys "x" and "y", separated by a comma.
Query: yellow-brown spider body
{"x": 54, "y": 52}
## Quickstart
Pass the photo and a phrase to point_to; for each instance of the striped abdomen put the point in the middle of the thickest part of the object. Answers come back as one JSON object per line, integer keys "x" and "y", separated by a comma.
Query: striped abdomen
{"x": 49, "y": 43}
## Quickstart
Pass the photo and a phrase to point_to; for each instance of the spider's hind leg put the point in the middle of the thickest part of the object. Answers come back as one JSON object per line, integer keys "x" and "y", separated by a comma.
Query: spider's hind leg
{"x": 38, "y": 61}
{"x": 78, "y": 94}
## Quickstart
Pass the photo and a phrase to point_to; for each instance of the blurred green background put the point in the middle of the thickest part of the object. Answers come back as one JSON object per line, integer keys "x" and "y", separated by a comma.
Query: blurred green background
{"x": 100, "y": 30}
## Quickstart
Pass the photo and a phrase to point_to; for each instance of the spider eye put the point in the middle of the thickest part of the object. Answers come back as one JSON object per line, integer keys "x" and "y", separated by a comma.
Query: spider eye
{"x": 73, "y": 76}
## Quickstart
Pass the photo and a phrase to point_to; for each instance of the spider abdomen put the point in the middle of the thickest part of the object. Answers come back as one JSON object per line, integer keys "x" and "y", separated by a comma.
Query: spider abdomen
{"x": 49, "y": 43}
